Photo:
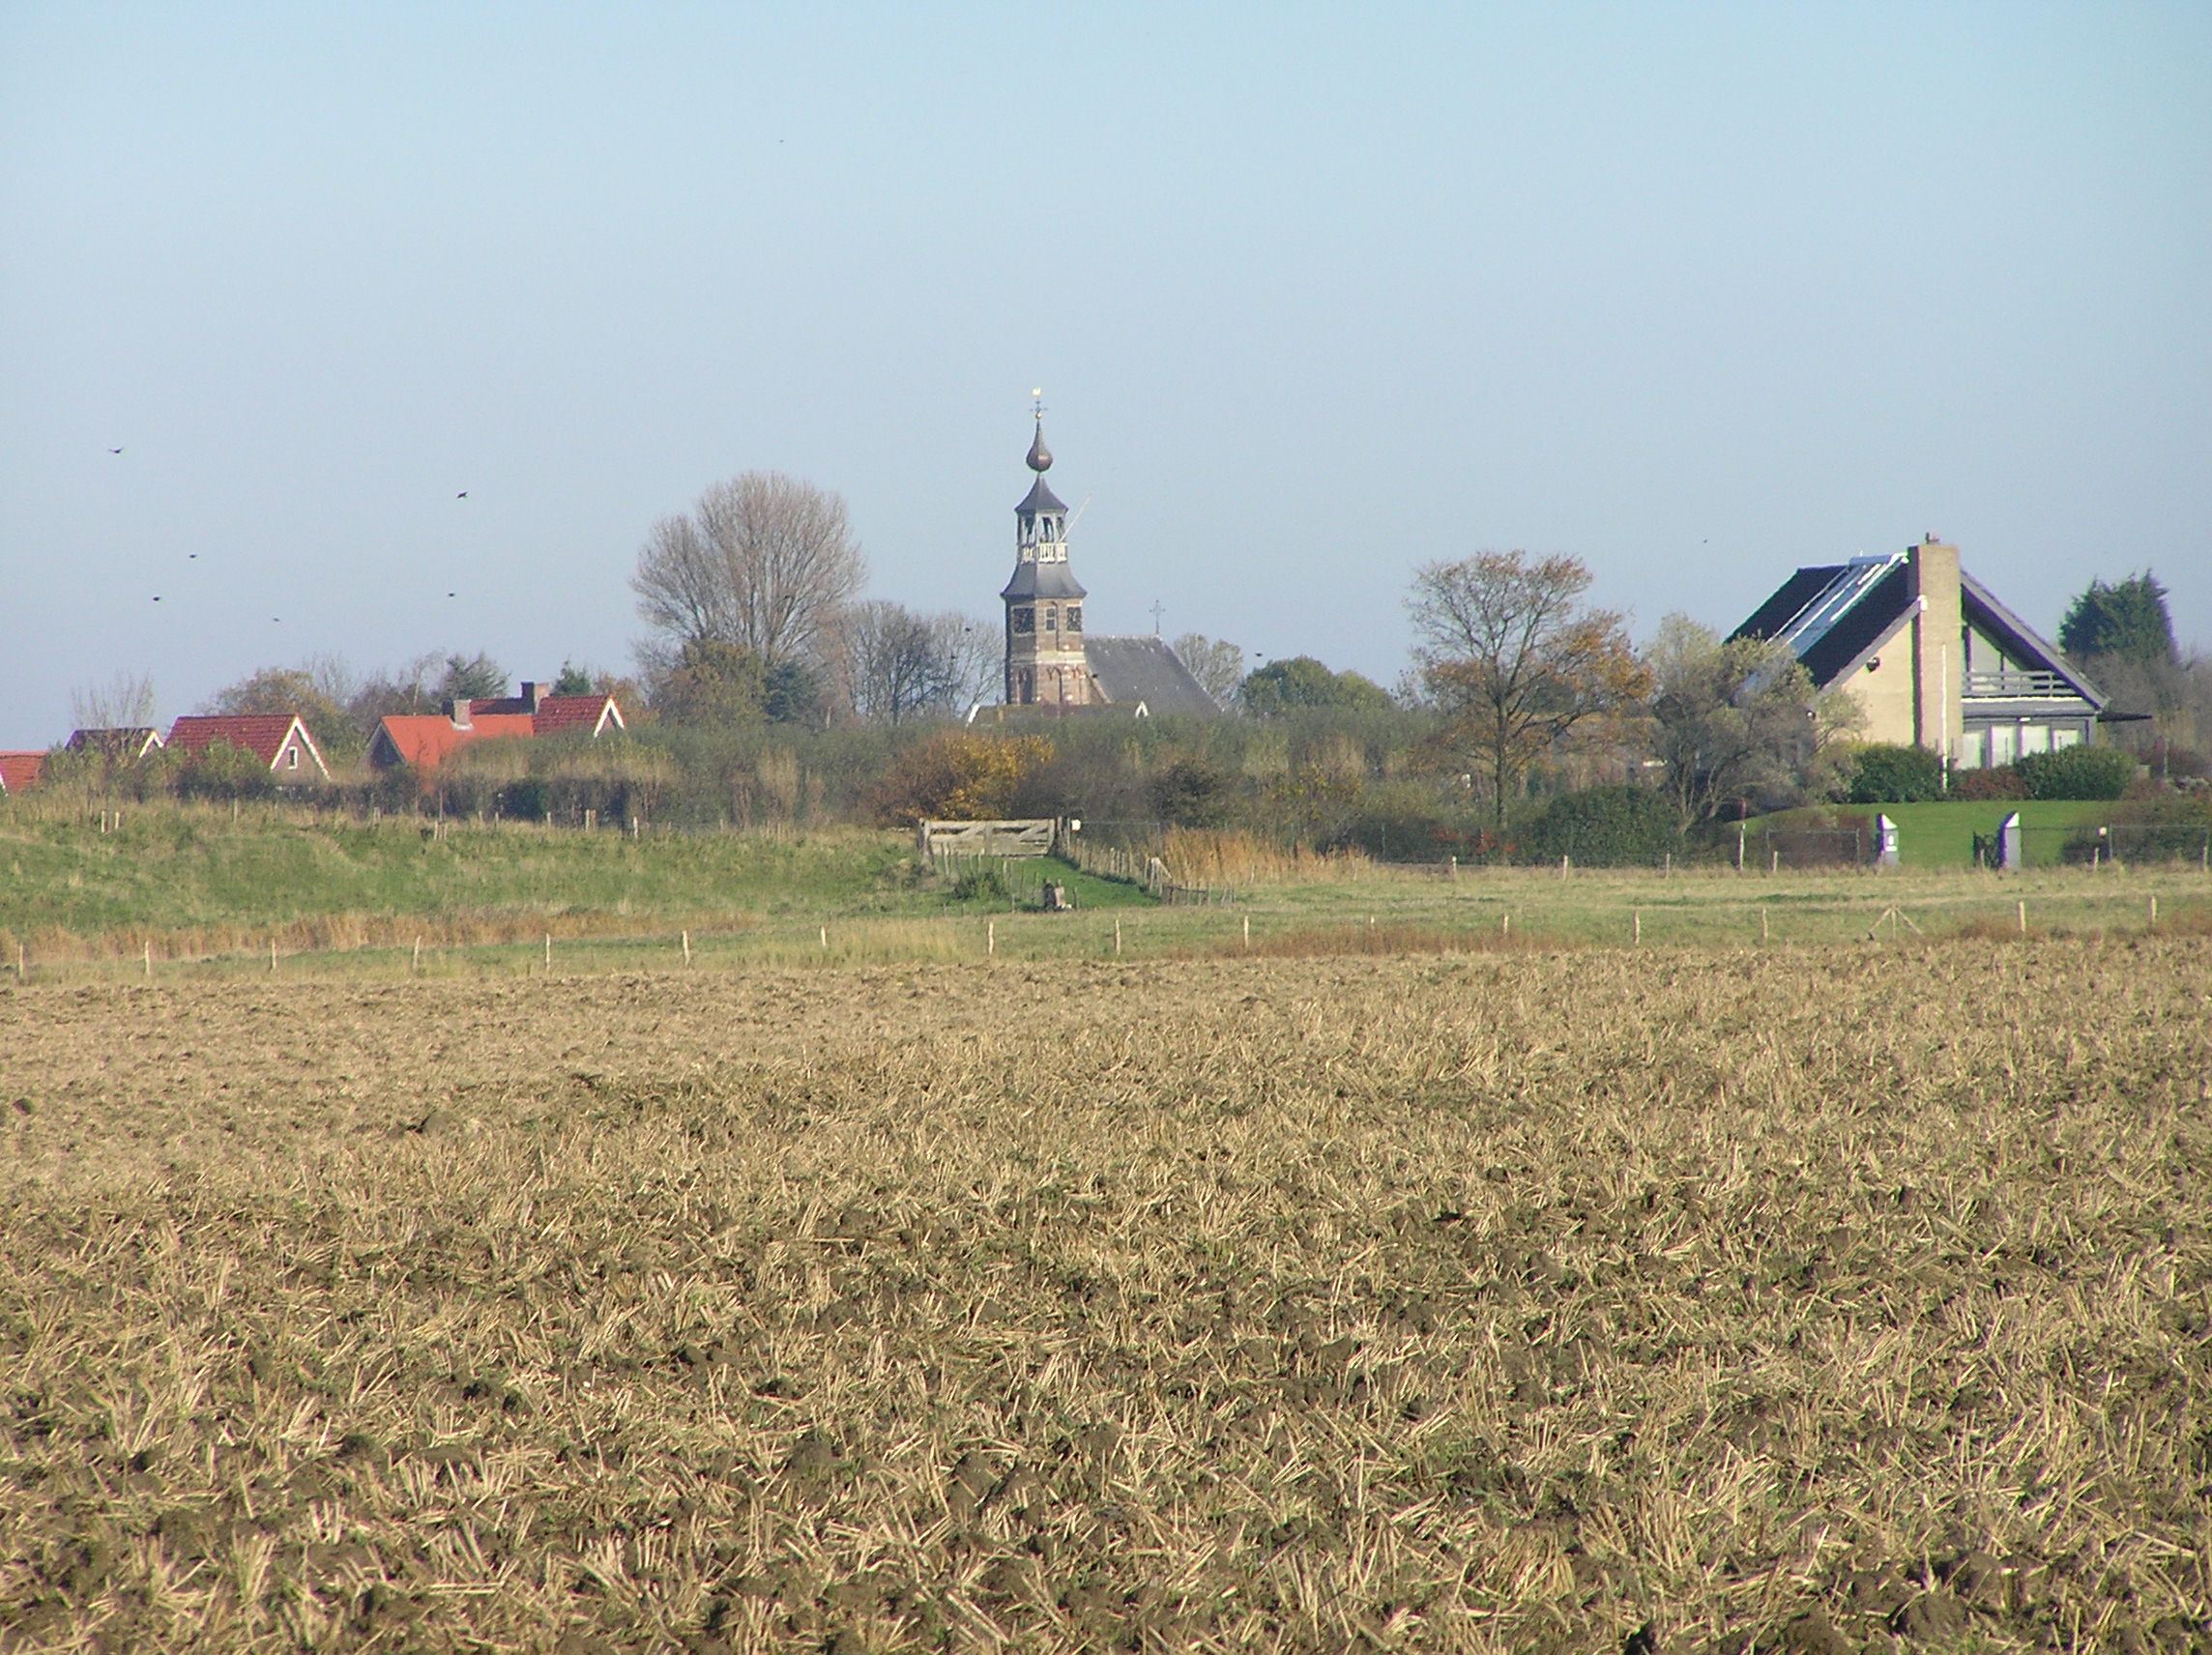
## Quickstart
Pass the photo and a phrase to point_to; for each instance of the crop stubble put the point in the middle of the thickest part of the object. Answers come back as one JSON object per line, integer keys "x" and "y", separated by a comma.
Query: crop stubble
{"x": 1811, "y": 1300}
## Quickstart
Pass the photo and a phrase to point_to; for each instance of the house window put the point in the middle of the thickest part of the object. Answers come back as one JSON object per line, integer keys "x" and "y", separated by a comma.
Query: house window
{"x": 2004, "y": 743}
{"x": 291, "y": 758}
{"x": 1025, "y": 619}
{"x": 2034, "y": 738}
{"x": 1075, "y": 617}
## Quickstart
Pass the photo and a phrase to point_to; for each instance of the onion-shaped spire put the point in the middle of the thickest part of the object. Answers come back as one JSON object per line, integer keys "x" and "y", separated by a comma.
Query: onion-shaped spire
{"x": 1040, "y": 456}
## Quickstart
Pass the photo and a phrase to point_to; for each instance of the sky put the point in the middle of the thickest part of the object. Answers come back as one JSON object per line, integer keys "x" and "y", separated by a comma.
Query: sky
{"x": 1315, "y": 294}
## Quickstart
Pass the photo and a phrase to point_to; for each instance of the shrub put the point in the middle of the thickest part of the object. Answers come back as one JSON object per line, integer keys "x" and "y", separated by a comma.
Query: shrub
{"x": 1887, "y": 774}
{"x": 2077, "y": 772}
{"x": 1606, "y": 826}
{"x": 1193, "y": 791}
{"x": 979, "y": 881}
{"x": 2001, "y": 781}
{"x": 958, "y": 775}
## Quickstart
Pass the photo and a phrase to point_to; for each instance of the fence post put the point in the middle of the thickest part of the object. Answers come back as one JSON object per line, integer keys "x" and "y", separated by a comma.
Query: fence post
{"x": 1636, "y": 930}
{"x": 1763, "y": 934}
{"x": 548, "y": 953}
{"x": 990, "y": 937}
{"x": 1117, "y": 934}
{"x": 686, "y": 947}
{"x": 2024, "y": 918}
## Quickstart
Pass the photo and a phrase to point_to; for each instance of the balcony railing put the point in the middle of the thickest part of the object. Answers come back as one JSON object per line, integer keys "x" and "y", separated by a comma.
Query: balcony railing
{"x": 2015, "y": 686}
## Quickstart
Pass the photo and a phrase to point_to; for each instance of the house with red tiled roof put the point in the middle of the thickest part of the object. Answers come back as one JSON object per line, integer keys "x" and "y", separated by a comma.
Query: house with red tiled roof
{"x": 556, "y": 714}
{"x": 427, "y": 740}
{"x": 21, "y": 771}
{"x": 279, "y": 740}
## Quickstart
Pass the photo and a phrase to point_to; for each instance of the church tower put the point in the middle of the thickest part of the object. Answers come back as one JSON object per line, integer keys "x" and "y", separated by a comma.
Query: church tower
{"x": 1045, "y": 665}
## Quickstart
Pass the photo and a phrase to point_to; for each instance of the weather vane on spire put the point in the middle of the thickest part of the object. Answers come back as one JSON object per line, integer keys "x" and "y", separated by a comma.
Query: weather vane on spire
{"x": 1037, "y": 404}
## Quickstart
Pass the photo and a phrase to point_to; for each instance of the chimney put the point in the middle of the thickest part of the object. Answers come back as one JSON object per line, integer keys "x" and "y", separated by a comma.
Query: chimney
{"x": 532, "y": 694}
{"x": 458, "y": 712}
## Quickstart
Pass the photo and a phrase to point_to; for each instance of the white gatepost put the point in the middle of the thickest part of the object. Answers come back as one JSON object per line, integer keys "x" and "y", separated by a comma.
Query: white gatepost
{"x": 1885, "y": 842}
{"x": 2011, "y": 854}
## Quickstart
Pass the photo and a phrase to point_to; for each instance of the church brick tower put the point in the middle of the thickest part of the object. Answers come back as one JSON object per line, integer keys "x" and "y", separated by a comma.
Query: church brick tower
{"x": 1045, "y": 665}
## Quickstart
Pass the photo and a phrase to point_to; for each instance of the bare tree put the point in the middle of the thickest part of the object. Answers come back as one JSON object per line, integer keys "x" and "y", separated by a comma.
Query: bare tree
{"x": 892, "y": 663}
{"x": 762, "y": 563}
{"x": 125, "y": 701}
{"x": 1218, "y": 666}
{"x": 1508, "y": 650}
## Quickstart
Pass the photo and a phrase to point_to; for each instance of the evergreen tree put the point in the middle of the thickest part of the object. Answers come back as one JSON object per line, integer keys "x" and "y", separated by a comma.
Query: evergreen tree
{"x": 2128, "y": 621}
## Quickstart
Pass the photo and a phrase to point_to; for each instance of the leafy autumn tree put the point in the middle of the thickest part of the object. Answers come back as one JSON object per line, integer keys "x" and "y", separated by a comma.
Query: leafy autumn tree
{"x": 958, "y": 775}
{"x": 1737, "y": 718}
{"x": 1282, "y": 686}
{"x": 1510, "y": 653}
{"x": 319, "y": 693}
{"x": 708, "y": 681}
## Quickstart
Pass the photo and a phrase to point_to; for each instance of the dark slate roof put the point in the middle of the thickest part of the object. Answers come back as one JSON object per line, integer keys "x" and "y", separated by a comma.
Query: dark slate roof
{"x": 2016, "y": 637}
{"x": 1040, "y": 498}
{"x": 1861, "y": 626}
{"x": 1886, "y": 605}
{"x": 1043, "y": 580}
{"x": 1788, "y": 601}
{"x": 1133, "y": 669}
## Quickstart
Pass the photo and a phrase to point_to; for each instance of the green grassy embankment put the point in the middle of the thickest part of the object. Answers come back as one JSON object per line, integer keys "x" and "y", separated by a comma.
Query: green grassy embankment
{"x": 194, "y": 880}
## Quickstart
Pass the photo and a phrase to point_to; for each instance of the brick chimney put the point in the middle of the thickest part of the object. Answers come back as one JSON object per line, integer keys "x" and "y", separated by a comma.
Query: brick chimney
{"x": 458, "y": 712}
{"x": 1940, "y": 654}
{"x": 533, "y": 695}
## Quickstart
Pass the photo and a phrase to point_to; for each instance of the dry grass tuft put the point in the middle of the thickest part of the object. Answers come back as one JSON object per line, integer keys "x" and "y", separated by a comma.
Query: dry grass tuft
{"x": 1202, "y": 856}
{"x": 1788, "y": 1299}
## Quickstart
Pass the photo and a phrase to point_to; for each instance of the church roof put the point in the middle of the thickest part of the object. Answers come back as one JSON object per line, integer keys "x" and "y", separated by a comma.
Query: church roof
{"x": 1043, "y": 580}
{"x": 1040, "y": 497}
{"x": 1129, "y": 670}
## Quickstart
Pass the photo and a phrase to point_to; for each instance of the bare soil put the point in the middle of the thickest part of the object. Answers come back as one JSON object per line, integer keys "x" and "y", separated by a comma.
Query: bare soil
{"x": 1807, "y": 1301}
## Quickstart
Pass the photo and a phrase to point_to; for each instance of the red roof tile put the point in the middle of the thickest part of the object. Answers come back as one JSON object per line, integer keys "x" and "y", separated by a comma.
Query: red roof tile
{"x": 557, "y": 714}
{"x": 19, "y": 771}
{"x": 264, "y": 735}
{"x": 427, "y": 739}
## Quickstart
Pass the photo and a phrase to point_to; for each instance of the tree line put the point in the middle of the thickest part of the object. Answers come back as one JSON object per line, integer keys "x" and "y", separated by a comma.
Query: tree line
{"x": 768, "y": 688}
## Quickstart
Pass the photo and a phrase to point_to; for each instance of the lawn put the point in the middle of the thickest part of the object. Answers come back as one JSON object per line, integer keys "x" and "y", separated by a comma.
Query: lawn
{"x": 1942, "y": 834}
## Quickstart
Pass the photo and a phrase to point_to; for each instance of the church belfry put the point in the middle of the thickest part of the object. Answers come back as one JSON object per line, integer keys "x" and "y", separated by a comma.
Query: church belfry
{"x": 1045, "y": 665}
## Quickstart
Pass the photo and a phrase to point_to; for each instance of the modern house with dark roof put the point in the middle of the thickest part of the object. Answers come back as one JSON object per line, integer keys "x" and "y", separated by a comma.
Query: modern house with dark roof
{"x": 1931, "y": 655}
{"x": 1051, "y": 664}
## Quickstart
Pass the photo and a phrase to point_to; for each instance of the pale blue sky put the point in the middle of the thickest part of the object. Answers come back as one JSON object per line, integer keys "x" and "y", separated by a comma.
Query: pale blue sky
{"x": 1693, "y": 293}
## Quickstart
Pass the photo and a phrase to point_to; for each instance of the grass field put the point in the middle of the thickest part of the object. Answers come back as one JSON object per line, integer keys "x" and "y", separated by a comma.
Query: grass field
{"x": 1811, "y": 1298}
{"x": 184, "y": 894}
